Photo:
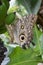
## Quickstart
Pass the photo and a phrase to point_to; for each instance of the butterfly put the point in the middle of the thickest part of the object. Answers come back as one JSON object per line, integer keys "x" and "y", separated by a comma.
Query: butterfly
{"x": 22, "y": 30}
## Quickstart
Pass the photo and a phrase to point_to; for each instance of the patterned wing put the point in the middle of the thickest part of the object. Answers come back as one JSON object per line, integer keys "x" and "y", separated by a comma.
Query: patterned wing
{"x": 22, "y": 30}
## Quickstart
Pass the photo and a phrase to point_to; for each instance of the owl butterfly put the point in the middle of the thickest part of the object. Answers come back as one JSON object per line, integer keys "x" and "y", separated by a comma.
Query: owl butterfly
{"x": 23, "y": 30}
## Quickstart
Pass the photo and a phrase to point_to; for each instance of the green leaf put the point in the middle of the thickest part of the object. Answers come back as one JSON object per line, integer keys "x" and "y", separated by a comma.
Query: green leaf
{"x": 41, "y": 45}
{"x": 36, "y": 34}
{"x": 10, "y": 18}
{"x": 32, "y": 6}
{"x": 3, "y": 12}
{"x": 20, "y": 56}
{"x": 2, "y": 29}
{"x": 36, "y": 40}
{"x": 25, "y": 7}
{"x": 6, "y": 2}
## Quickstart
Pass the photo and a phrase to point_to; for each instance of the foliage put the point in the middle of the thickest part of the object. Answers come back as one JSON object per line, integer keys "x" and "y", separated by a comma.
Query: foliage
{"x": 26, "y": 6}
{"x": 4, "y": 16}
{"x": 19, "y": 56}
{"x": 23, "y": 57}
